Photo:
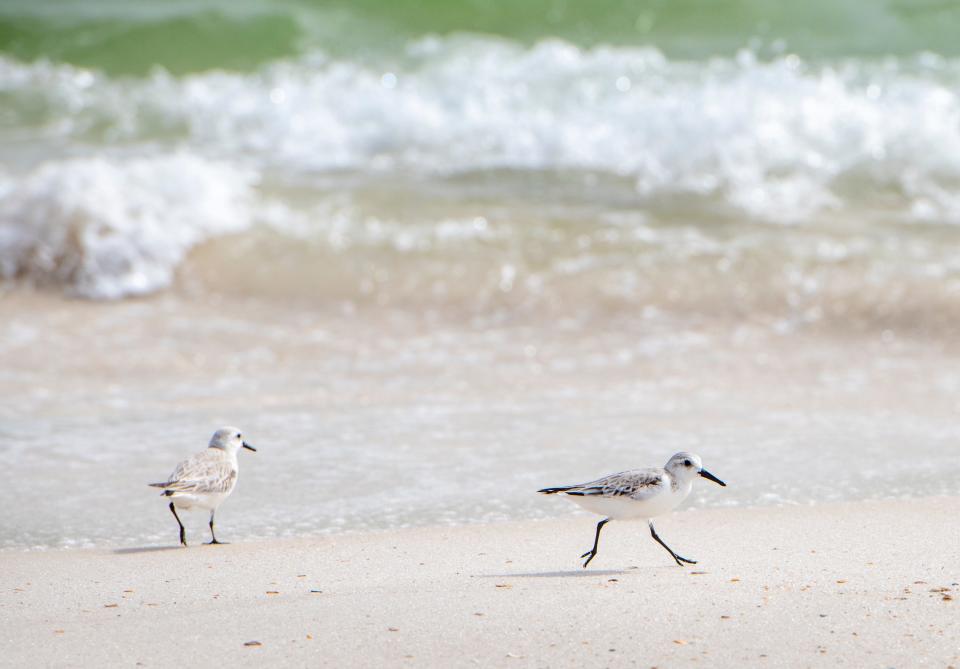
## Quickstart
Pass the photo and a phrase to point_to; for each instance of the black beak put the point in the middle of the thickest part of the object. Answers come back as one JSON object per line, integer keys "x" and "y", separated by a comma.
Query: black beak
{"x": 704, "y": 473}
{"x": 251, "y": 448}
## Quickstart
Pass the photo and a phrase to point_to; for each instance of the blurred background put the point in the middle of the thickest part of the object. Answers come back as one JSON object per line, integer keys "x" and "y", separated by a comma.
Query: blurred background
{"x": 434, "y": 255}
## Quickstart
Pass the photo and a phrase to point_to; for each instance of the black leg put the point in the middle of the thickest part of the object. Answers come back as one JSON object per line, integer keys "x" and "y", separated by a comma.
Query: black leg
{"x": 183, "y": 533}
{"x": 679, "y": 560}
{"x": 596, "y": 540}
{"x": 213, "y": 535}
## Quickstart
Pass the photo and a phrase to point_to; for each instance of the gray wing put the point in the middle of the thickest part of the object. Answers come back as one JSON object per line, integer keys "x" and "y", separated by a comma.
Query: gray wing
{"x": 636, "y": 484}
{"x": 201, "y": 474}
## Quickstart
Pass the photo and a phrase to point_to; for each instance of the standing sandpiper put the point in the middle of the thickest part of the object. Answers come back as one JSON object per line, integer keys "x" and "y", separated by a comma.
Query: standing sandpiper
{"x": 206, "y": 479}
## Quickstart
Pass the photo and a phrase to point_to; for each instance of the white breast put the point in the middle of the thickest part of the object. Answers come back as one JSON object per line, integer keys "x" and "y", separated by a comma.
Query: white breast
{"x": 626, "y": 508}
{"x": 200, "y": 501}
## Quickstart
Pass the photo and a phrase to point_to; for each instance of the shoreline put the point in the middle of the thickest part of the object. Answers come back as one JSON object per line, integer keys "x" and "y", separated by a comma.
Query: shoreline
{"x": 865, "y": 583}
{"x": 198, "y": 533}
{"x": 481, "y": 417}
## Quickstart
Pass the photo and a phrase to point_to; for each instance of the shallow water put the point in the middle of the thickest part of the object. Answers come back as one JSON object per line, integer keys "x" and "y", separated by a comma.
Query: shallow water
{"x": 433, "y": 257}
{"x": 365, "y": 421}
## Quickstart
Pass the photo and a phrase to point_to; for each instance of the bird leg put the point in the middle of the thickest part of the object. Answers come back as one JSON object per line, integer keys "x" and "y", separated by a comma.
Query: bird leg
{"x": 596, "y": 540}
{"x": 679, "y": 560}
{"x": 213, "y": 540}
{"x": 183, "y": 533}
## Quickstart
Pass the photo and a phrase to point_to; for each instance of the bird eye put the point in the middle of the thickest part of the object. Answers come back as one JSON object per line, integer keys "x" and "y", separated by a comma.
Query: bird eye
{"x": 687, "y": 463}
{"x": 238, "y": 436}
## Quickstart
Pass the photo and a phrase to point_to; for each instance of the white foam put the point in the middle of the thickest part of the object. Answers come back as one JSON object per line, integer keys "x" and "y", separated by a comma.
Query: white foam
{"x": 778, "y": 140}
{"x": 110, "y": 227}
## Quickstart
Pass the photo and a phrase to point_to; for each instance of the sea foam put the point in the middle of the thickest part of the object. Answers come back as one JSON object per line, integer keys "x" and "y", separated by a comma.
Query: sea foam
{"x": 110, "y": 227}
{"x": 778, "y": 140}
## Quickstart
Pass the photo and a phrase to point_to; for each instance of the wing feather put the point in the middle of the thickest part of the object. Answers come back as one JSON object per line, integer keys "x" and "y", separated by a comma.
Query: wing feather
{"x": 202, "y": 474}
{"x": 636, "y": 484}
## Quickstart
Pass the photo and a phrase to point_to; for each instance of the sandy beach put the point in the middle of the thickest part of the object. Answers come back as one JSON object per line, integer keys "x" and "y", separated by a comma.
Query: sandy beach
{"x": 867, "y": 584}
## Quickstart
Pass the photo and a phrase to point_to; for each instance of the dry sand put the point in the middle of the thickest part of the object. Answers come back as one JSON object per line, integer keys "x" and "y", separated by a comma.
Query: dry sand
{"x": 869, "y": 584}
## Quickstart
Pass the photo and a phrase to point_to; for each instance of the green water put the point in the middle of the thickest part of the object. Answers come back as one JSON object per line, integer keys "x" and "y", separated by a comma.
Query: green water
{"x": 181, "y": 37}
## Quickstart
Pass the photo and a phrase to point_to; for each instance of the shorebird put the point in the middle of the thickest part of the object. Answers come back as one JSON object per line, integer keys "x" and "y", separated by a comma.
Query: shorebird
{"x": 638, "y": 494}
{"x": 206, "y": 479}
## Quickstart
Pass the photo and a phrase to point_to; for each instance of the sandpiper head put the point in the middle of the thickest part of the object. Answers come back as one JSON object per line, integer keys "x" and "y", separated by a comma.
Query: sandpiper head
{"x": 229, "y": 439}
{"x": 685, "y": 466}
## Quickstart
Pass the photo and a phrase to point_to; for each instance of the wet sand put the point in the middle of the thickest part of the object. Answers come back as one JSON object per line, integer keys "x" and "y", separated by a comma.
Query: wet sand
{"x": 855, "y": 584}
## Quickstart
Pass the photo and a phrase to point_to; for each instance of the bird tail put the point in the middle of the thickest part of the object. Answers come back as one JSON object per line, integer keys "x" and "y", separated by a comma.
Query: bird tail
{"x": 551, "y": 491}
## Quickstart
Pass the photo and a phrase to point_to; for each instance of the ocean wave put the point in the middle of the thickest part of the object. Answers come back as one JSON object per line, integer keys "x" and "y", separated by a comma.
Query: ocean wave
{"x": 109, "y": 227}
{"x": 775, "y": 140}
{"x": 114, "y": 226}
{"x": 480, "y": 170}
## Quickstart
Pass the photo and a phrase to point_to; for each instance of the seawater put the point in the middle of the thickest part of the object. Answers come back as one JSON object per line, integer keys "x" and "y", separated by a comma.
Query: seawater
{"x": 438, "y": 255}
{"x": 378, "y": 418}
{"x": 133, "y": 133}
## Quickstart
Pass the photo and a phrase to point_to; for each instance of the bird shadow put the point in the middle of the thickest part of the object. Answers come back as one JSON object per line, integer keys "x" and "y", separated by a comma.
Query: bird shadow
{"x": 559, "y": 574}
{"x": 145, "y": 549}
